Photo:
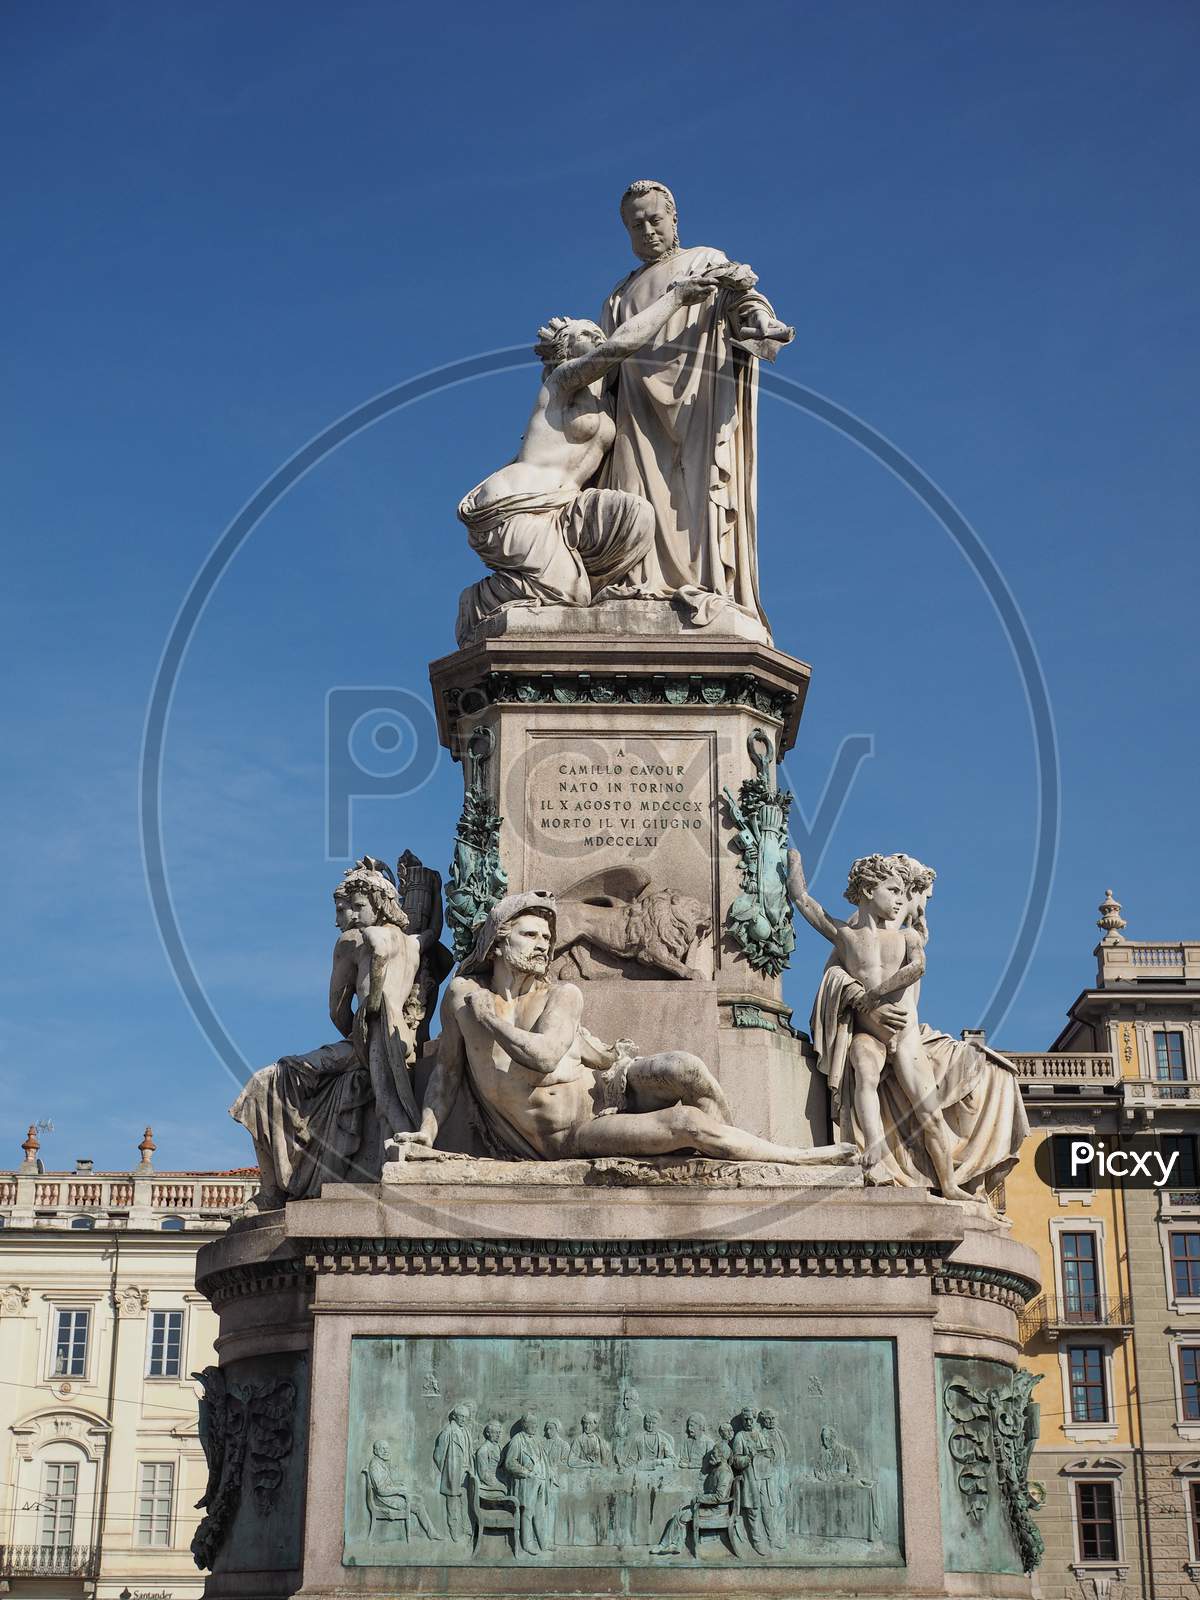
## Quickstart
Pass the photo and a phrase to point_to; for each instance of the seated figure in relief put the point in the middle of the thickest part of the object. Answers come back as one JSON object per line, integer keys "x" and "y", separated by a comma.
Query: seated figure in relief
{"x": 544, "y": 1088}
{"x": 547, "y": 538}
{"x": 392, "y": 1498}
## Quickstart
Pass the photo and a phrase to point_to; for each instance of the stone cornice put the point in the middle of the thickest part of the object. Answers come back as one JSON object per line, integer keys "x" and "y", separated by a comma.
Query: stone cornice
{"x": 744, "y": 689}
{"x": 624, "y": 1258}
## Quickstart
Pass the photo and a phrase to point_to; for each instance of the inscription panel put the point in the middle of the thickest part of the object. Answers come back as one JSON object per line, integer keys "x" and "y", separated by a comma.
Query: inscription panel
{"x": 605, "y": 821}
{"x": 585, "y": 1452}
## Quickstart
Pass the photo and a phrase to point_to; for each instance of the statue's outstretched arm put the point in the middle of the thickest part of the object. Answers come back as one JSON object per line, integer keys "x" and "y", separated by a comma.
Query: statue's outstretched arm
{"x": 811, "y": 910}
{"x": 630, "y": 336}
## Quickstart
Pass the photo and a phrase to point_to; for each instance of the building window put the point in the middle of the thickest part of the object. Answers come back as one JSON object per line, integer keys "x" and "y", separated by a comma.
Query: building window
{"x": 70, "y": 1344}
{"x": 1096, "y": 1514}
{"x": 1185, "y": 1265}
{"x": 1080, "y": 1278}
{"x": 1189, "y": 1382}
{"x": 60, "y": 1490}
{"x": 1089, "y": 1395}
{"x": 1169, "y": 1063}
{"x": 80, "y": 1223}
{"x": 156, "y": 1485}
{"x": 164, "y": 1355}
{"x": 1182, "y": 1145}
{"x": 171, "y": 1224}
{"x": 1193, "y": 1495}
{"x": 1064, "y": 1178}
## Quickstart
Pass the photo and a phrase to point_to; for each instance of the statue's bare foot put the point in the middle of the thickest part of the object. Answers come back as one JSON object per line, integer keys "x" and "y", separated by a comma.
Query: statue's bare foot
{"x": 952, "y": 1191}
{"x": 825, "y": 1155}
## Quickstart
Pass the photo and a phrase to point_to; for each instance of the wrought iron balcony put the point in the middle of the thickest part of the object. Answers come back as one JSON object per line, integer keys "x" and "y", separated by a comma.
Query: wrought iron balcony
{"x": 1095, "y": 1313}
{"x": 49, "y": 1561}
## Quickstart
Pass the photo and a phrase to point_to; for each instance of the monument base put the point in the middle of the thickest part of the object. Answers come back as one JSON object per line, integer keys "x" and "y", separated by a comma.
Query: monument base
{"x": 677, "y": 1377}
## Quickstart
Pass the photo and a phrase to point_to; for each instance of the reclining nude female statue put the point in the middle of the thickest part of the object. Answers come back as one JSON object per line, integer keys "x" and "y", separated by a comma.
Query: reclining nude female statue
{"x": 547, "y": 539}
{"x": 545, "y": 1088}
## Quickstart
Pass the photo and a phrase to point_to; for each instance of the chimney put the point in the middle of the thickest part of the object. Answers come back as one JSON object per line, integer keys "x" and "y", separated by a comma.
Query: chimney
{"x": 31, "y": 1147}
{"x": 146, "y": 1150}
{"x": 84, "y": 1163}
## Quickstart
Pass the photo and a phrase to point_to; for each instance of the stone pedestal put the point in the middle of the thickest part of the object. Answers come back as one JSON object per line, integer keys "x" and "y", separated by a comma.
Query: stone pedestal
{"x": 865, "y": 1320}
{"x": 616, "y": 730}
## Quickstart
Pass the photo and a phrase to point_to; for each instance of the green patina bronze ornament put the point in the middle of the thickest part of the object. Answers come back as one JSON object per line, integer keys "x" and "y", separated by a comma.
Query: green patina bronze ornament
{"x": 760, "y": 919}
{"x": 992, "y": 1435}
{"x": 476, "y": 879}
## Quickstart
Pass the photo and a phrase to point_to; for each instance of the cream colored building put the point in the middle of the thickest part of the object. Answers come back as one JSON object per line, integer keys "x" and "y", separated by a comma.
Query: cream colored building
{"x": 100, "y": 1329}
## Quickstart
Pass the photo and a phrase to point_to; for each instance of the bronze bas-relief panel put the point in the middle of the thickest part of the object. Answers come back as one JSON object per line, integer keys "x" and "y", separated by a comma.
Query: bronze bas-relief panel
{"x": 622, "y": 1452}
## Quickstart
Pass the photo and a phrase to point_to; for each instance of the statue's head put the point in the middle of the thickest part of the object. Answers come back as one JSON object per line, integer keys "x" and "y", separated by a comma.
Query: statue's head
{"x": 749, "y": 1413}
{"x": 553, "y": 1428}
{"x": 499, "y": 934}
{"x": 564, "y": 338}
{"x": 529, "y": 1422}
{"x": 876, "y": 884}
{"x": 491, "y": 1429}
{"x": 828, "y": 1437}
{"x": 695, "y": 1425}
{"x": 725, "y": 1429}
{"x": 918, "y": 881}
{"x": 630, "y": 1398}
{"x": 526, "y": 943}
{"x": 367, "y": 896}
{"x": 382, "y": 1449}
{"x": 590, "y": 1422}
{"x": 460, "y": 1413}
{"x": 648, "y": 212}
{"x": 767, "y": 1417}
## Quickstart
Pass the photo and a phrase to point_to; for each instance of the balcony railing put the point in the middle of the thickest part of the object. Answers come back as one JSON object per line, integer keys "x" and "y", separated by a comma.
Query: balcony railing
{"x": 1098, "y": 1068}
{"x": 49, "y": 1561}
{"x": 1054, "y": 1315}
{"x": 59, "y": 1197}
{"x": 1156, "y": 1094}
{"x": 1147, "y": 961}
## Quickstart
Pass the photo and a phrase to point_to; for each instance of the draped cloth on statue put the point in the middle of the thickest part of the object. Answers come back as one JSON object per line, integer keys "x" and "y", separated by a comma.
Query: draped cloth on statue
{"x": 978, "y": 1094}
{"x": 686, "y": 428}
{"x": 309, "y": 1111}
{"x": 554, "y": 548}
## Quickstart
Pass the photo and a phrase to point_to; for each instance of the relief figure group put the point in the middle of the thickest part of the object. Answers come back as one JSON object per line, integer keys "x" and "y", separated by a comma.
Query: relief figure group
{"x": 547, "y": 1490}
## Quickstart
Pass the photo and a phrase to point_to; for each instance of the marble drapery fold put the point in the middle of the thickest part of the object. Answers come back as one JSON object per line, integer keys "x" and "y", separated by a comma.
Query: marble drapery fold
{"x": 555, "y": 548}
{"x": 309, "y": 1110}
{"x": 686, "y": 428}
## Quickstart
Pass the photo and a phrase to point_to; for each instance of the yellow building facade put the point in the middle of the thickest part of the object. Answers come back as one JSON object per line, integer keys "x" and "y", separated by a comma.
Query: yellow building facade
{"x": 1115, "y": 1335}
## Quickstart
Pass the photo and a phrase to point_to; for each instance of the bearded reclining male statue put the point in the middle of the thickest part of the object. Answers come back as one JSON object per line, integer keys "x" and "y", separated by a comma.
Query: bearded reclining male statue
{"x": 546, "y": 1089}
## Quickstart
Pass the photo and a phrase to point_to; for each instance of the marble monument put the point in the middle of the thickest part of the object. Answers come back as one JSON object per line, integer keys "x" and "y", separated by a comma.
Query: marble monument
{"x": 525, "y": 1307}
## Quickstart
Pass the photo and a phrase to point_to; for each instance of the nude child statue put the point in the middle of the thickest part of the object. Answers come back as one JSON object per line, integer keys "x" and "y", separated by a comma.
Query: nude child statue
{"x": 886, "y": 963}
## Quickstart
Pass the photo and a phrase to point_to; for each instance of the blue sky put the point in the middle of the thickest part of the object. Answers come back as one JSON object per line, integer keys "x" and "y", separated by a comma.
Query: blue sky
{"x": 228, "y": 225}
